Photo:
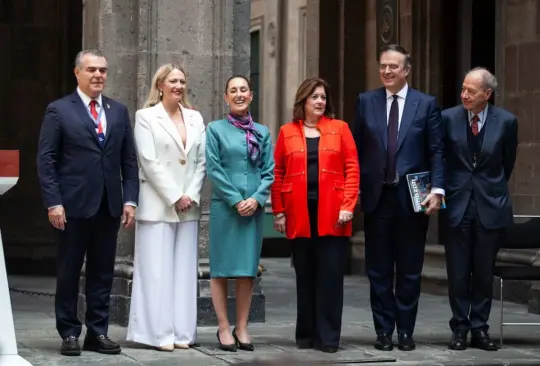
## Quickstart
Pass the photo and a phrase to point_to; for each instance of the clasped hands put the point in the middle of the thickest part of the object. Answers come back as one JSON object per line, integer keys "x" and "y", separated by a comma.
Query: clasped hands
{"x": 247, "y": 207}
{"x": 183, "y": 204}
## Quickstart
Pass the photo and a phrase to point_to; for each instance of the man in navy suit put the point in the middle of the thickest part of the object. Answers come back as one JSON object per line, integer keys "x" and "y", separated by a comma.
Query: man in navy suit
{"x": 481, "y": 144}
{"x": 398, "y": 131}
{"x": 87, "y": 168}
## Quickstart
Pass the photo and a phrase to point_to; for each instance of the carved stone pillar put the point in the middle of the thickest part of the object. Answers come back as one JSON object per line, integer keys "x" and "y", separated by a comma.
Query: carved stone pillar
{"x": 211, "y": 40}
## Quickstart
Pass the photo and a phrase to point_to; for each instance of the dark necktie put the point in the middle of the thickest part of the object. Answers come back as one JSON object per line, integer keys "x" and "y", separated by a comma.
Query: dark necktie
{"x": 393, "y": 121}
{"x": 474, "y": 124}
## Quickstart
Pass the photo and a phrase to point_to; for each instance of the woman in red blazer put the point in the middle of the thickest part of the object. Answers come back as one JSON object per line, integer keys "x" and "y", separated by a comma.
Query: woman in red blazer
{"x": 313, "y": 198}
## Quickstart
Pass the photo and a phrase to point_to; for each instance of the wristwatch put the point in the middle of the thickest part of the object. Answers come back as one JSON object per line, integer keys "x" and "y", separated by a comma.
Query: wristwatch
{"x": 279, "y": 216}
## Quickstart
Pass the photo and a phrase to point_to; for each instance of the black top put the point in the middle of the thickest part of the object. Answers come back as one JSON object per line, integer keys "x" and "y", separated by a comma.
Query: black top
{"x": 313, "y": 167}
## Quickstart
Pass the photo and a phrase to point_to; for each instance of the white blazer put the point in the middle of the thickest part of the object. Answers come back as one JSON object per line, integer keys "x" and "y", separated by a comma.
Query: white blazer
{"x": 167, "y": 170}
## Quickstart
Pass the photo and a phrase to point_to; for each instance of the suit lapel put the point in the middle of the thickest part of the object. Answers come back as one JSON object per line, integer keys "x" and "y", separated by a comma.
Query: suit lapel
{"x": 84, "y": 116}
{"x": 461, "y": 125}
{"x": 409, "y": 111}
{"x": 491, "y": 125}
{"x": 379, "y": 109}
{"x": 110, "y": 114}
{"x": 167, "y": 124}
{"x": 188, "y": 122}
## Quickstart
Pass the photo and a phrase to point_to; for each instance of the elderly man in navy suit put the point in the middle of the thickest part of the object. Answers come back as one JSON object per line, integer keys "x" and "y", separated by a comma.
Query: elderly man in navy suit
{"x": 481, "y": 144}
{"x": 398, "y": 131}
{"x": 87, "y": 168}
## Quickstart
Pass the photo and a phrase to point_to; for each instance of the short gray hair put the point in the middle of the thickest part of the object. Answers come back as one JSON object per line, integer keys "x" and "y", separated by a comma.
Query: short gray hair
{"x": 489, "y": 81}
{"x": 81, "y": 54}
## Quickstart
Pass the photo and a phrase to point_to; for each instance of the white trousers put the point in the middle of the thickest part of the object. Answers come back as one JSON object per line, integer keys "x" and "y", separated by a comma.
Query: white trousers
{"x": 164, "y": 295}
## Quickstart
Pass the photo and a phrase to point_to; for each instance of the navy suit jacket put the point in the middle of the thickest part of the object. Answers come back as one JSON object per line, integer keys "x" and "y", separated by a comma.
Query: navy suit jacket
{"x": 420, "y": 144}
{"x": 489, "y": 179}
{"x": 73, "y": 168}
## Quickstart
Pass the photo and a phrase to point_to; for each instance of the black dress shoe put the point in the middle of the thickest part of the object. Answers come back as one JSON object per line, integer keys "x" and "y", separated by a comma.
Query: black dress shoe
{"x": 70, "y": 346}
{"x": 459, "y": 341}
{"x": 243, "y": 346}
{"x": 226, "y": 347}
{"x": 101, "y": 344}
{"x": 304, "y": 344}
{"x": 481, "y": 340}
{"x": 406, "y": 342}
{"x": 328, "y": 349}
{"x": 384, "y": 342}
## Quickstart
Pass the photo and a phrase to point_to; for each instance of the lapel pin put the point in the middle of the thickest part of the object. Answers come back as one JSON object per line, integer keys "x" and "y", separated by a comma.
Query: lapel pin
{"x": 108, "y": 106}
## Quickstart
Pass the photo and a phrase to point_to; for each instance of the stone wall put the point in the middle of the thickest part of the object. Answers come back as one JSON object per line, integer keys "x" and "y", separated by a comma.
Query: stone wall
{"x": 518, "y": 56}
{"x": 282, "y": 57}
{"x": 210, "y": 38}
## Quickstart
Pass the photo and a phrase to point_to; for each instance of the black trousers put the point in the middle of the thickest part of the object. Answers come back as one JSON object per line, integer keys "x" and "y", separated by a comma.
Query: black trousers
{"x": 395, "y": 238}
{"x": 471, "y": 252}
{"x": 96, "y": 237}
{"x": 319, "y": 263}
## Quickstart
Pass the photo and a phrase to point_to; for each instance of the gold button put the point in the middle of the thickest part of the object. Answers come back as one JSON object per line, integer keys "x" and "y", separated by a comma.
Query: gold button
{"x": 182, "y": 161}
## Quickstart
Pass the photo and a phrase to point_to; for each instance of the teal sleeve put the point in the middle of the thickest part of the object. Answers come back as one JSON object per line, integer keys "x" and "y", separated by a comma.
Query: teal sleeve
{"x": 267, "y": 169}
{"x": 221, "y": 184}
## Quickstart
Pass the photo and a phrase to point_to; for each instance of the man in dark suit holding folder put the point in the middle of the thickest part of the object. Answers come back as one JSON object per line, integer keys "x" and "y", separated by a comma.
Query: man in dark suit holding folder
{"x": 398, "y": 131}
{"x": 481, "y": 145}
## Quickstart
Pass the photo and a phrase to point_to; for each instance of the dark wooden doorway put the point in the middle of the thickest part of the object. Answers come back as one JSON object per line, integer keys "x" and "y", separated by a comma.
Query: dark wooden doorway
{"x": 39, "y": 40}
{"x": 468, "y": 40}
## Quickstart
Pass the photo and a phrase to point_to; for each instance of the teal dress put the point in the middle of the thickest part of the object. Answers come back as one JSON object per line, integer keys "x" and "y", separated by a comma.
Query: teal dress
{"x": 236, "y": 241}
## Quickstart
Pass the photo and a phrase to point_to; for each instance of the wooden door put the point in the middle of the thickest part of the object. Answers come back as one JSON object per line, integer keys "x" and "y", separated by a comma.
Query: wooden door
{"x": 39, "y": 40}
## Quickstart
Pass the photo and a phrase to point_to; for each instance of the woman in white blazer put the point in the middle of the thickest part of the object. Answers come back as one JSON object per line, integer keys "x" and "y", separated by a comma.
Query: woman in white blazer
{"x": 170, "y": 142}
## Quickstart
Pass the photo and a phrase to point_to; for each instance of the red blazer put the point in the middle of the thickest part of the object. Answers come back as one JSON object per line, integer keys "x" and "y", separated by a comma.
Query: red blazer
{"x": 339, "y": 178}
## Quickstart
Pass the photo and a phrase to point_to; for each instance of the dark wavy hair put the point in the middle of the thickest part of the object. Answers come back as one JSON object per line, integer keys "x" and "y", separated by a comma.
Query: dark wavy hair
{"x": 305, "y": 90}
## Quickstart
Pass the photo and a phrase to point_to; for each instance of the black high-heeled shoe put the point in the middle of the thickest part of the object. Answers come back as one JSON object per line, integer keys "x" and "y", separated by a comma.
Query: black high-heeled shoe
{"x": 226, "y": 347}
{"x": 242, "y": 346}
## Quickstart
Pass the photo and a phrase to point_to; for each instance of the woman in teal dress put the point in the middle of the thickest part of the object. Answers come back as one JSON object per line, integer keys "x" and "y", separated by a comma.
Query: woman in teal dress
{"x": 240, "y": 167}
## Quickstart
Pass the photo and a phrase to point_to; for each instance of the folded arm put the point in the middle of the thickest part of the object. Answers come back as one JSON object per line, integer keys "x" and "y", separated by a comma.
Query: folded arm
{"x": 130, "y": 170}
{"x": 195, "y": 187}
{"x": 351, "y": 169}
{"x": 510, "y": 148}
{"x": 436, "y": 145}
{"x": 279, "y": 173}
{"x": 50, "y": 140}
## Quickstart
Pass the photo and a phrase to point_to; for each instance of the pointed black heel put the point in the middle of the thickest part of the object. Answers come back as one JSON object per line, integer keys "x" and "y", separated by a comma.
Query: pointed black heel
{"x": 243, "y": 346}
{"x": 226, "y": 347}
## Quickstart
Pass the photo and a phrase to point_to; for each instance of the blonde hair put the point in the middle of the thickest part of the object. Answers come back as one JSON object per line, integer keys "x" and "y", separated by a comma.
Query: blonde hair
{"x": 159, "y": 77}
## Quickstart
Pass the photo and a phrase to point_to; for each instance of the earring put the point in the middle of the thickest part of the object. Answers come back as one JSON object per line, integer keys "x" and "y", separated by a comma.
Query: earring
{"x": 160, "y": 94}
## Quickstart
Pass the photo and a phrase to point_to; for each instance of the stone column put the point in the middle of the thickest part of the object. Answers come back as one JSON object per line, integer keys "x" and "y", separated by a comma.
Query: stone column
{"x": 210, "y": 38}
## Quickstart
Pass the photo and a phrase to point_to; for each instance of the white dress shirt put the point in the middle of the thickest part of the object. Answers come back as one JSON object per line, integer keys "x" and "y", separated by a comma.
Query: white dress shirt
{"x": 402, "y": 94}
{"x": 481, "y": 117}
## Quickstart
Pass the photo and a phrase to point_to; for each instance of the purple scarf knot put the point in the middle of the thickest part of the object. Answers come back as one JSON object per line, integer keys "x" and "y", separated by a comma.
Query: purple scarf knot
{"x": 252, "y": 135}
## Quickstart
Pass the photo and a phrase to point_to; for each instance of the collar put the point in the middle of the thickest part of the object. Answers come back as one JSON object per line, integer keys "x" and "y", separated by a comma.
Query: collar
{"x": 163, "y": 111}
{"x": 482, "y": 115}
{"x": 402, "y": 93}
{"x": 86, "y": 99}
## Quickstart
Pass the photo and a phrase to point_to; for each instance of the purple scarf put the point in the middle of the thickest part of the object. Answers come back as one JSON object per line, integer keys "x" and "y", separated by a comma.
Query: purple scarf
{"x": 246, "y": 124}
